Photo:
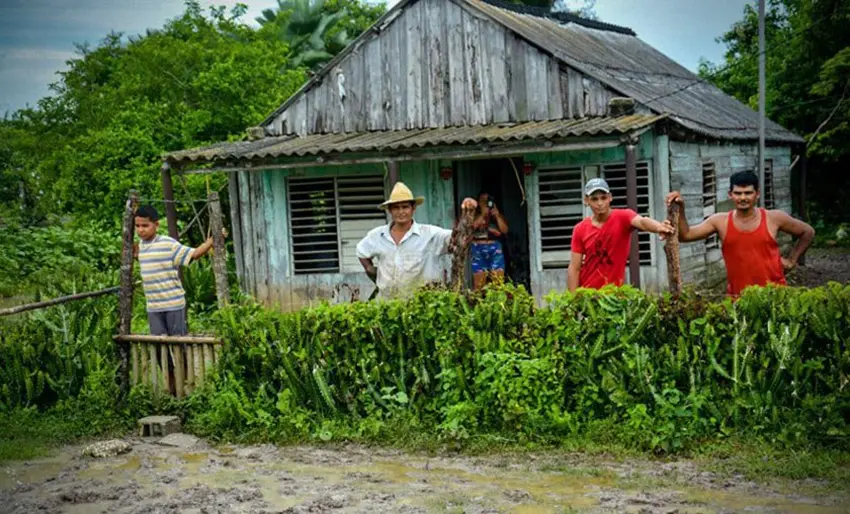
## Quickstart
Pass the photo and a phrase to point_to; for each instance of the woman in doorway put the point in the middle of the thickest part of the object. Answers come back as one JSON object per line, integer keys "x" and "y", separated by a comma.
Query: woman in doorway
{"x": 486, "y": 255}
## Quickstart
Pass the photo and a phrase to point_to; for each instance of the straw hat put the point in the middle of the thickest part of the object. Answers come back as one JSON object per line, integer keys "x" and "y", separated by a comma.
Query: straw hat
{"x": 401, "y": 193}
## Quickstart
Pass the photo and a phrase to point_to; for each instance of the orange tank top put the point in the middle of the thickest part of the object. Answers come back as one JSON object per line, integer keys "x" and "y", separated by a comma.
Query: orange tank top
{"x": 752, "y": 258}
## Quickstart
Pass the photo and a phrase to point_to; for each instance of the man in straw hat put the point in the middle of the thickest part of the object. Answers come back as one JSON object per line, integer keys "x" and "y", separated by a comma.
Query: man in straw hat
{"x": 404, "y": 255}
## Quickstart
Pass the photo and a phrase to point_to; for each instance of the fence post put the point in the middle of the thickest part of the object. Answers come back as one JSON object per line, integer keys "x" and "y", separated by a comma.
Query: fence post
{"x": 125, "y": 295}
{"x": 222, "y": 289}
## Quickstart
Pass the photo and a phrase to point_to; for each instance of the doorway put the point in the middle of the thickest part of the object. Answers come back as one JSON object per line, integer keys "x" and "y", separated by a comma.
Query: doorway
{"x": 505, "y": 184}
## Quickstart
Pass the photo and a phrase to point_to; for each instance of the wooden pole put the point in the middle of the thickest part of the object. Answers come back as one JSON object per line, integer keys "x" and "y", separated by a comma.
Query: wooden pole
{"x": 392, "y": 166}
{"x": 222, "y": 288}
{"x": 631, "y": 200}
{"x": 125, "y": 298}
{"x": 671, "y": 249}
{"x": 168, "y": 192}
{"x": 56, "y": 301}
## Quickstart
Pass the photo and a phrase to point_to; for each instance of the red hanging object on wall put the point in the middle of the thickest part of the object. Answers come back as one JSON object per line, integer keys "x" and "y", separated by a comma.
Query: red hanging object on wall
{"x": 446, "y": 172}
{"x": 527, "y": 168}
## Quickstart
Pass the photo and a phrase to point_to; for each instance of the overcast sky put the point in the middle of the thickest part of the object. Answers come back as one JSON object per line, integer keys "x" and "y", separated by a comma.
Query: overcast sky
{"x": 38, "y": 36}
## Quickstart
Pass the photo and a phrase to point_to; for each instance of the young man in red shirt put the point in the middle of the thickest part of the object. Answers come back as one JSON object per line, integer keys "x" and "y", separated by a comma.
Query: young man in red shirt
{"x": 601, "y": 243}
{"x": 748, "y": 236}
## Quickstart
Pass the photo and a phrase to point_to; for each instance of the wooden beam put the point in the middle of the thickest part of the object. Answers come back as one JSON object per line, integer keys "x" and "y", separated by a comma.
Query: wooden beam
{"x": 56, "y": 301}
{"x": 631, "y": 200}
{"x": 392, "y": 166}
{"x": 804, "y": 214}
{"x": 222, "y": 289}
{"x": 168, "y": 192}
{"x": 472, "y": 152}
{"x": 140, "y": 338}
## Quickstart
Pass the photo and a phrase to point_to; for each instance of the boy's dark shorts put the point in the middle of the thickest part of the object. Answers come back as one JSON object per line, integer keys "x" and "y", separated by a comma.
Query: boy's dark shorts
{"x": 171, "y": 323}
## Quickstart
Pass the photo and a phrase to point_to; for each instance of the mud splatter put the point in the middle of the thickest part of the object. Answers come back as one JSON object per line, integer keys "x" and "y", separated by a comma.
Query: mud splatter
{"x": 153, "y": 479}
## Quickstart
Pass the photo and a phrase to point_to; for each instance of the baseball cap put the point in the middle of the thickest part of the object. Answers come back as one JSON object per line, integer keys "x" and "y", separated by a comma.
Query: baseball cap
{"x": 596, "y": 184}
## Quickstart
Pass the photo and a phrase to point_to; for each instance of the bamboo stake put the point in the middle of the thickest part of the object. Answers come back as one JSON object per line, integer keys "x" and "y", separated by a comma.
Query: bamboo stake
{"x": 671, "y": 249}
{"x": 154, "y": 367}
{"x": 177, "y": 358}
{"x": 166, "y": 376}
{"x": 199, "y": 366}
{"x": 190, "y": 369}
{"x": 134, "y": 364}
{"x": 222, "y": 289}
{"x": 143, "y": 362}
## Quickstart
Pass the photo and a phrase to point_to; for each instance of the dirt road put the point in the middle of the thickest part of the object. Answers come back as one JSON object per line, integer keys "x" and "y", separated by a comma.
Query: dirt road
{"x": 152, "y": 479}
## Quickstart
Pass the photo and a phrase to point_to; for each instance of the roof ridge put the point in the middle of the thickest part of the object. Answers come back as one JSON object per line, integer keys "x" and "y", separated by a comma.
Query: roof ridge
{"x": 563, "y": 17}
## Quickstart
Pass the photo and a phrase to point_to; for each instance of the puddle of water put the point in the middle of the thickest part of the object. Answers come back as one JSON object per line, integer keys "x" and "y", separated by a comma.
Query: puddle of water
{"x": 195, "y": 458}
{"x": 32, "y": 472}
{"x": 740, "y": 502}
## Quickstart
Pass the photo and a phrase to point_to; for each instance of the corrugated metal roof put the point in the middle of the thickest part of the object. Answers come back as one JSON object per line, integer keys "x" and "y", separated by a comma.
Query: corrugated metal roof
{"x": 295, "y": 146}
{"x": 635, "y": 69}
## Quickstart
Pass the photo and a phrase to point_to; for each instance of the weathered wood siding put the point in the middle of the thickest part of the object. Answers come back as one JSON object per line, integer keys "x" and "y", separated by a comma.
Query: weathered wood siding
{"x": 699, "y": 265}
{"x": 435, "y": 65}
{"x": 546, "y": 280}
{"x": 262, "y": 239}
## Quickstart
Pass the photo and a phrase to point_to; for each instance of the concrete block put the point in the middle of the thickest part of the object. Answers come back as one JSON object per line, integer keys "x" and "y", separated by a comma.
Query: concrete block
{"x": 158, "y": 425}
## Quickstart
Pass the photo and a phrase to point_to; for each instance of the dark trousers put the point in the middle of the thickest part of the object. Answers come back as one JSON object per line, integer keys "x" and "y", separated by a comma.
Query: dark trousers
{"x": 171, "y": 323}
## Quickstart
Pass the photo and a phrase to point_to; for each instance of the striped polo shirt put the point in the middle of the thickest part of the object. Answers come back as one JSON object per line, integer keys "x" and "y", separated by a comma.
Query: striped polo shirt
{"x": 159, "y": 260}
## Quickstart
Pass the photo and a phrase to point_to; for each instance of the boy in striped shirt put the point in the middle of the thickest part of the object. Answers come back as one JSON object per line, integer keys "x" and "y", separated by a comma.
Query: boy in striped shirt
{"x": 159, "y": 258}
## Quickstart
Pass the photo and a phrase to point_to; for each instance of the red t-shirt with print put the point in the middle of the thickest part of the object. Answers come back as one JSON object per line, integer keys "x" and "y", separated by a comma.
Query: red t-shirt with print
{"x": 605, "y": 248}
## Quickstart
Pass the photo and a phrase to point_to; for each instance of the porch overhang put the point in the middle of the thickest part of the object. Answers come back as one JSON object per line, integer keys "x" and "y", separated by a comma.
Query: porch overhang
{"x": 416, "y": 144}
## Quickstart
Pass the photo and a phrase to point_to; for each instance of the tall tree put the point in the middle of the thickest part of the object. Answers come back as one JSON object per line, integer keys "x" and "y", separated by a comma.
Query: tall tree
{"x": 808, "y": 83}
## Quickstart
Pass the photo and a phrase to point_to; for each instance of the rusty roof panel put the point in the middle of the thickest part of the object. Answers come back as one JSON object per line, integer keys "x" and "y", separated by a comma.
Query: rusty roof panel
{"x": 295, "y": 146}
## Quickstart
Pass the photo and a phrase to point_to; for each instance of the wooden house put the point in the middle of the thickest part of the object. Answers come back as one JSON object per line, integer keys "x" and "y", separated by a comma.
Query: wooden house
{"x": 452, "y": 96}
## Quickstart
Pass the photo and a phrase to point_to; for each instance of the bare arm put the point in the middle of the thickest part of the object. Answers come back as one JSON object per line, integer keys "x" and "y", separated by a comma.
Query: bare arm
{"x": 574, "y": 271}
{"x": 202, "y": 250}
{"x": 699, "y": 232}
{"x": 500, "y": 221}
{"x": 799, "y": 229}
{"x": 650, "y": 225}
{"x": 370, "y": 269}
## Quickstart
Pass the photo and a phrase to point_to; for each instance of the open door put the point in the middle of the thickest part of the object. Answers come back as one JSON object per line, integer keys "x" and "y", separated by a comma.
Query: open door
{"x": 504, "y": 182}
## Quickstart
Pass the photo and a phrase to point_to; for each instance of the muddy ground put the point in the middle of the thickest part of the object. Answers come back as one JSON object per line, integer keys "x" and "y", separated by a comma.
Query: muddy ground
{"x": 823, "y": 265}
{"x": 153, "y": 479}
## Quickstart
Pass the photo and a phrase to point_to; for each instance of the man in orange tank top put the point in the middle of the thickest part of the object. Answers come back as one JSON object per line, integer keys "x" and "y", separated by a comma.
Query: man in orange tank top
{"x": 748, "y": 236}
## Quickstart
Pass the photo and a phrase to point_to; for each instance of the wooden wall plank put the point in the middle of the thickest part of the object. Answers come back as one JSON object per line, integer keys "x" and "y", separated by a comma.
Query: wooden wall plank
{"x": 457, "y": 86}
{"x": 250, "y": 283}
{"x": 498, "y": 75}
{"x": 472, "y": 69}
{"x": 236, "y": 225}
{"x": 554, "y": 100}
{"x": 413, "y": 17}
{"x": 440, "y": 64}
{"x": 518, "y": 97}
{"x": 259, "y": 225}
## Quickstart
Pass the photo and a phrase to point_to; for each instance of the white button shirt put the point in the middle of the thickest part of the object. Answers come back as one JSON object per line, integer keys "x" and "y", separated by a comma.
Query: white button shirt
{"x": 416, "y": 260}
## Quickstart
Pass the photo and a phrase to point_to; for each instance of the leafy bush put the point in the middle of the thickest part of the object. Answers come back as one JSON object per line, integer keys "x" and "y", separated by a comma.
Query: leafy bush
{"x": 614, "y": 365}
{"x": 608, "y": 367}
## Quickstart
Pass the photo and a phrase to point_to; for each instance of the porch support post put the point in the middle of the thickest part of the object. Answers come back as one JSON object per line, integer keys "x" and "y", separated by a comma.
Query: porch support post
{"x": 168, "y": 192}
{"x": 222, "y": 288}
{"x": 392, "y": 166}
{"x": 631, "y": 200}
